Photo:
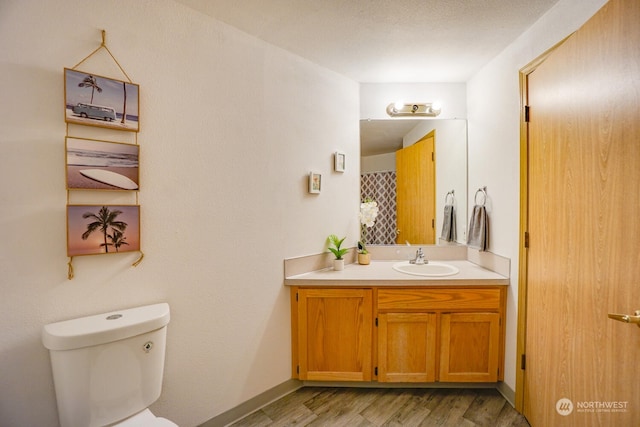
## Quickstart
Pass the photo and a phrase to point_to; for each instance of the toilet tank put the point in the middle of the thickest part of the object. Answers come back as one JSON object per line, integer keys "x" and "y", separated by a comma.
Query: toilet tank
{"x": 109, "y": 366}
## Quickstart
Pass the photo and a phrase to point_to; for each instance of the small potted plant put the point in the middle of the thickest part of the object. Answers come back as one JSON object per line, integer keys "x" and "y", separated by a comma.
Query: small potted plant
{"x": 368, "y": 214}
{"x": 364, "y": 257}
{"x": 334, "y": 246}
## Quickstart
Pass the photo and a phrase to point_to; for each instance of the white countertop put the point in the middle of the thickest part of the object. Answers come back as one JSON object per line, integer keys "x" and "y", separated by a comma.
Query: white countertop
{"x": 381, "y": 273}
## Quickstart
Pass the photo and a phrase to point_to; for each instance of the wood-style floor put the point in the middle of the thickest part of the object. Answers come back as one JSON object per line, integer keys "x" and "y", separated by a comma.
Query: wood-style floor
{"x": 360, "y": 407}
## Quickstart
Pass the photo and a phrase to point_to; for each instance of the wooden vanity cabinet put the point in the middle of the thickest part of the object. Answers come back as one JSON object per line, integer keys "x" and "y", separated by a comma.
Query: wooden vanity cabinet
{"x": 440, "y": 334}
{"x": 469, "y": 347}
{"x": 334, "y": 330}
{"x": 407, "y": 347}
{"x": 398, "y": 334}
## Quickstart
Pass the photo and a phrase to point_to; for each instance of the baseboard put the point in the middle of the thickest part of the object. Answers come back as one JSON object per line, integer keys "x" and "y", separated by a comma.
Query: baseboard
{"x": 507, "y": 393}
{"x": 253, "y": 404}
{"x": 376, "y": 384}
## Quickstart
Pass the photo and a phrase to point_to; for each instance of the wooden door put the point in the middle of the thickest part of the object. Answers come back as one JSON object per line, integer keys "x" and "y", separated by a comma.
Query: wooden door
{"x": 334, "y": 334}
{"x": 583, "y": 257}
{"x": 416, "y": 192}
{"x": 407, "y": 347}
{"x": 470, "y": 347}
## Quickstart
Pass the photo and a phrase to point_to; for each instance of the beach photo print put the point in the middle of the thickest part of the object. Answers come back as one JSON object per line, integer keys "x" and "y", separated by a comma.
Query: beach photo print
{"x": 93, "y": 100}
{"x": 101, "y": 165}
{"x": 102, "y": 229}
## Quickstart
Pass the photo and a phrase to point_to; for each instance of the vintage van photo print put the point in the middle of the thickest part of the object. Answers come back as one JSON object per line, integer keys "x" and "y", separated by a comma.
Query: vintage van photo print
{"x": 93, "y": 100}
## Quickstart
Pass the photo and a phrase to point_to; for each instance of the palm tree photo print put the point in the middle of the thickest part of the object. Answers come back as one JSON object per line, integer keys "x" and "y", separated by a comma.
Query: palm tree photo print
{"x": 95, "y": 229}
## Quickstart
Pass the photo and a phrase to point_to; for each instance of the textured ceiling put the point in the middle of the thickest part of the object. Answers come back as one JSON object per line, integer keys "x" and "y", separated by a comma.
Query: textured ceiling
{"x": 383, "y": 136}
{"x": 384, "y": 41}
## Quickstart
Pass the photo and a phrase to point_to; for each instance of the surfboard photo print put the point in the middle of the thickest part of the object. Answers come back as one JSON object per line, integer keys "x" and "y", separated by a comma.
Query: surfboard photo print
{"x": 102, "y": 229}
{"x": 102, "y": 165}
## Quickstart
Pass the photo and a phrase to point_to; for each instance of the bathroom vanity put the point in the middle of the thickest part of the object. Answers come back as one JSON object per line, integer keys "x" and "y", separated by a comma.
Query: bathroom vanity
{"x": 374, "y": 323}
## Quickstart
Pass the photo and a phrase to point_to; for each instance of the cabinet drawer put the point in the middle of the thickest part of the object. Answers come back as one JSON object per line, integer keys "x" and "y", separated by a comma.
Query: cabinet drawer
{"x": 438, "y": 299}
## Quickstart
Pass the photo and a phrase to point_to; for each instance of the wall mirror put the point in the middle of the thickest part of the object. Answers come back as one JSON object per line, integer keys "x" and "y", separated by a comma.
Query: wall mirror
{"x": 380, "y": 141}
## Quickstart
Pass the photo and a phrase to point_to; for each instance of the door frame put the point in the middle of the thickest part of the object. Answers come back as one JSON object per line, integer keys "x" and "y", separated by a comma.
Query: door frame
{"x": 524, "y": 223}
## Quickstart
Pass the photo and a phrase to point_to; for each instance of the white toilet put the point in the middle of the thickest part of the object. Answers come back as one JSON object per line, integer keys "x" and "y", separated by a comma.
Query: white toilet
{"x": 107, "y": 368}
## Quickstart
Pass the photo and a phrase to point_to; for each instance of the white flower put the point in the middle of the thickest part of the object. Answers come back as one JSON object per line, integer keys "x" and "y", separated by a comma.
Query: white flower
{"x": 368, "y": 213}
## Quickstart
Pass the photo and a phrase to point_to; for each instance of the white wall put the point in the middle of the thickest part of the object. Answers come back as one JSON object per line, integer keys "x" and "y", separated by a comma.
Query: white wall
{"x": 228, "y": 136}
{"x": 378, "y": 163}
{"x": 494, "y": 138}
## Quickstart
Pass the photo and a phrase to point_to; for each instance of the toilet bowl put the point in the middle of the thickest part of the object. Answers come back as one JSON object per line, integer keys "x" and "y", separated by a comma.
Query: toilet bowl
{"x": 145, "y": 419}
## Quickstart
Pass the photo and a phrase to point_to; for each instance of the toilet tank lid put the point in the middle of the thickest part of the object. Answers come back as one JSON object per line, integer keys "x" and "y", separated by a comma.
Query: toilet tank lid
{"x": 104, "y": 328}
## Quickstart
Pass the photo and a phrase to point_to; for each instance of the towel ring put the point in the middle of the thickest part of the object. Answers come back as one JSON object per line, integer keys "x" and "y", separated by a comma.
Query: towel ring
{"x": 483, "y": 191}
{"x": 453, "y": 198}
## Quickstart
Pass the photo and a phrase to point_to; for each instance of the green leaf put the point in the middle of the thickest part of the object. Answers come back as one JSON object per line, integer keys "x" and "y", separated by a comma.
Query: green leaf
{"x": 337, "y": 242}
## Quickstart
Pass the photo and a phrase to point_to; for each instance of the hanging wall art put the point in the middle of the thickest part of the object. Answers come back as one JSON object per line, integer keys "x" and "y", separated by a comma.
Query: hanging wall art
{"x": 93, "y": 100}
{"x": 101, "y": 165}
{"x": 102, "y": 229}
{"x": 339, "y": 161}
{"x": 315, "y": 182}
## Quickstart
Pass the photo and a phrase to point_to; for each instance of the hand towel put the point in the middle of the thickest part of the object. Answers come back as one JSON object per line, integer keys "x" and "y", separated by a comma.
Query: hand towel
{"x": 449, "y": 224}
{"x": 478, "y": 235}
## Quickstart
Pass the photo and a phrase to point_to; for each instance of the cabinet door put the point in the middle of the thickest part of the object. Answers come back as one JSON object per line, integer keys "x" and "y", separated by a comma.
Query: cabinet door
{"x": 407, "y": 347}
{"x": 334, "y": 334}
{"x": 470, "y": 345}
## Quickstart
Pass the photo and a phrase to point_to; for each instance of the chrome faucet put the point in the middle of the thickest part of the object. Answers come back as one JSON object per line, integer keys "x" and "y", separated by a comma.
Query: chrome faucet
{"x": 419, "y": 259}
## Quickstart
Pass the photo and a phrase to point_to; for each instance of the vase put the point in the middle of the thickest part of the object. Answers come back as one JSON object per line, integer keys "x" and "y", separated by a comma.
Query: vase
{"x": 338, "y": 264}
{"x": 364, "y": 259}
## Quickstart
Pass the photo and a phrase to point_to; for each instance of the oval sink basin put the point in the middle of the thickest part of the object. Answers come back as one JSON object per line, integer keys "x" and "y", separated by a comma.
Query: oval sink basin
{"x": 433, "y": 269}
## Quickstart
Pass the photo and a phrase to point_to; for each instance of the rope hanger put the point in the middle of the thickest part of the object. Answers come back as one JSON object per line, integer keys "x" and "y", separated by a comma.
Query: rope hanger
{"x": 103, "y": 45}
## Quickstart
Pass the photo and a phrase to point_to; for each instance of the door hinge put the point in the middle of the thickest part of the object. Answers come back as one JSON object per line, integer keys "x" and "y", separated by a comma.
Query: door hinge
{"x": 526, "y": 113}
{"x": 298, "y": 369}
{"x": 433, "y": 223}
{"x": 523, "y": 361}
{"x": 376, "y": 321}
{"x": 296, "y": 296}
{"x": 433, "y": 156}
{"x": 526, "y": 239}
{"x": 375, "y": 370}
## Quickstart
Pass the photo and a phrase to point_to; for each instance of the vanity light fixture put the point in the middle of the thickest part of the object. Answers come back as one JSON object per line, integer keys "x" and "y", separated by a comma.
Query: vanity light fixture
{"x": 398, "y": 109}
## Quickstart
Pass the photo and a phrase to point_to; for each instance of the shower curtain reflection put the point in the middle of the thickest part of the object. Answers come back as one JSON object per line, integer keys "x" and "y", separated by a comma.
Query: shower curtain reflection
{"x": 381, "y": 187}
